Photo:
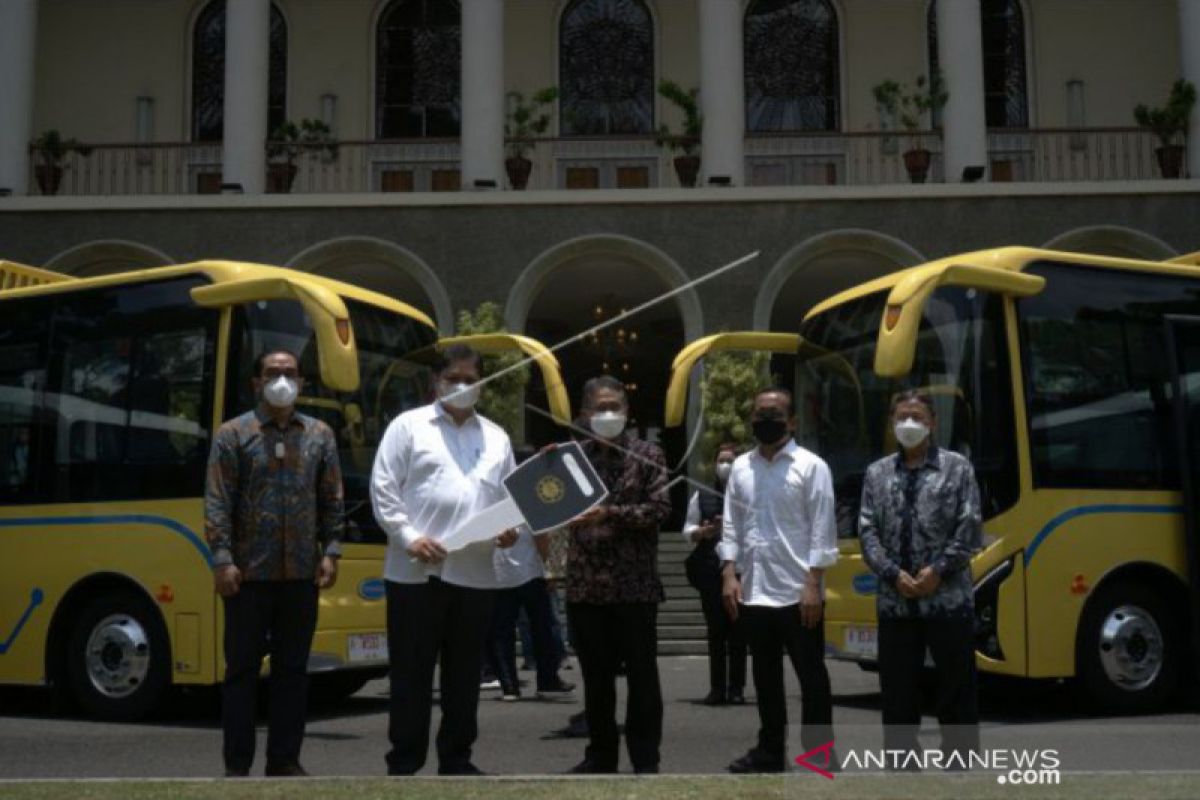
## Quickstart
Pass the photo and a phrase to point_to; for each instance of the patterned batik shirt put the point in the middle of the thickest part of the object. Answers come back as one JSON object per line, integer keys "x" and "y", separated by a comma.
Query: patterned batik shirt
{"x": 912, "y": 518}
{"x": 273, "y": 502}
{"x": 616, "y": 561}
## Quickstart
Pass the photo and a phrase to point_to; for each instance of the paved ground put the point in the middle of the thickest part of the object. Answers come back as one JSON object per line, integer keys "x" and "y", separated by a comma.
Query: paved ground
{"x": 349, "y": 738}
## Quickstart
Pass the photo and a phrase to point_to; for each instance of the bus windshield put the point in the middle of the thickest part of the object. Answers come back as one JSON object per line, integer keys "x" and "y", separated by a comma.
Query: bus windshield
{"x": 391, "y": 382}
{"x": 961, "y": 361}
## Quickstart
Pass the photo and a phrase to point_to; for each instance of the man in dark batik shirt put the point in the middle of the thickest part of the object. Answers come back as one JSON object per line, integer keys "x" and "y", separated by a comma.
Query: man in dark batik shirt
{"x": 273, "y": 517}
{"x": 919, "y": 524}
{"x": 613, "y": 588}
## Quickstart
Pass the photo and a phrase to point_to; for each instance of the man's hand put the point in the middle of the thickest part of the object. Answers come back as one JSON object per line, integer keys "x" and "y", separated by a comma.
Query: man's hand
{"x": 593, "y": 516}
{"x": 228, "y": 580}
{"x": 327, "y": 573}
{"x": 810, "y": 604}
{"x": 927, "y": 581}
{"x": 427, "y": 551}
{"x": 906, "y": 586}
{"x": 705, "y": 530}
{"x": 507, "y": 539}
{"x": 731, "y": 594}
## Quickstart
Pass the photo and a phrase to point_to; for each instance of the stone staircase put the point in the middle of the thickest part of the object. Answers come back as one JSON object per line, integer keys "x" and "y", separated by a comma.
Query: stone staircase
{"x": 680, "y": 620}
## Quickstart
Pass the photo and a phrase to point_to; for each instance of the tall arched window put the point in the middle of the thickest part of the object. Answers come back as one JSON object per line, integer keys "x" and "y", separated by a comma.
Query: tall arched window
{"x": 1005, "y": 82}
{"x": 208, "y": 73}
{"x": 418, "y": 70}
{"x": 606, "y": 68}
{"x": 791, "y": 53}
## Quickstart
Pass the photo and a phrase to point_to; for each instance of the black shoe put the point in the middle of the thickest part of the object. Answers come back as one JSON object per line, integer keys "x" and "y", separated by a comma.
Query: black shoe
{"x": 230, "y": 772}
{"x": 736, "y": 698}
{"x": 292, "y": 770}
{"x": 714, "y": 699}
{"x": 649, "y": 769}
{"x": 528, "y": 666}
{"x": 756, "y": 762}
{"x": 589, "y": 767}
{"x": 467, "y": 770}
{"x": 556, "y": 689}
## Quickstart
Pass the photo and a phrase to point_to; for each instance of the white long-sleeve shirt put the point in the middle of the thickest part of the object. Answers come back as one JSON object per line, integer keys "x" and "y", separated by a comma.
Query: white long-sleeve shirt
{"x": 431, "y": 474}
{"x": 779, "y": 523}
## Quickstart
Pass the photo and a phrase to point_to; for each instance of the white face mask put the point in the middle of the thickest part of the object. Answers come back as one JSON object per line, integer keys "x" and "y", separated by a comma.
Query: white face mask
{"x": 281, "y": 392}
{"x": 910, "y": 433}
{"x": 462, "y": 396}
{"x": 723, "y": 470}
{"x": 608, "y": 424}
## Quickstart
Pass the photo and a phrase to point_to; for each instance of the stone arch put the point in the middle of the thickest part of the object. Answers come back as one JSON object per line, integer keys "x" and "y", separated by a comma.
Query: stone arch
{"x": 826, "y": 264}
{"x": 381, "y": 266}
{"x": 107, "y": 256}
{"x": 1112, "y": 240}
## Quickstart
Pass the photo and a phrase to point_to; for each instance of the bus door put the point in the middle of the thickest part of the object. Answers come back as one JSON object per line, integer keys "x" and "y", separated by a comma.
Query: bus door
{"x": 1183, "y": 348}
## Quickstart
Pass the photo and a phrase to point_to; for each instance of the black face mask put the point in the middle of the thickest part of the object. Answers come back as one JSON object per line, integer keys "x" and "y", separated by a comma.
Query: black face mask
{"x": 768, "y": 431}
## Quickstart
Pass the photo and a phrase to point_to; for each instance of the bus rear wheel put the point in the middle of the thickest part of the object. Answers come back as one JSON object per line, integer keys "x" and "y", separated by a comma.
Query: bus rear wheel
{"x": 118, "y": 659}
{"x": 1128, "y": 654}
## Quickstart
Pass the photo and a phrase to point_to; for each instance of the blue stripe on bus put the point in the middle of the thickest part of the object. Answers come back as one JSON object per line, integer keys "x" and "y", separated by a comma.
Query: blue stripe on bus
{"x": 1084, "y": 511}
{"x": 35, "y": 600}
{"x": 117, "y": 519}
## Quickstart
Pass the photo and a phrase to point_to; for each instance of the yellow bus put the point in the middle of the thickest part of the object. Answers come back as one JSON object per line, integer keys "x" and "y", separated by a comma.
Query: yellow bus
{"x": 110, "y": 388}
{"x": 1072, "y": 382}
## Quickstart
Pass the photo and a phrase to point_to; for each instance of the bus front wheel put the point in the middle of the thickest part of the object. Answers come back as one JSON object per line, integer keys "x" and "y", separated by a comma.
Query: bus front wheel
{"x": 118, "y": 660}
{"x": 1129, "y": 649}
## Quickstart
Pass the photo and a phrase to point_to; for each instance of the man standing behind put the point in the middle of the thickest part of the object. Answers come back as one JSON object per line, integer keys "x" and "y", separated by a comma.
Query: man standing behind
{"x": 780, "y": 535}
{"x": 613, "y": 588}
{"x": 436, "y": 466}
{"x": 919, "y": 523}
{"x": 273, "y": 518}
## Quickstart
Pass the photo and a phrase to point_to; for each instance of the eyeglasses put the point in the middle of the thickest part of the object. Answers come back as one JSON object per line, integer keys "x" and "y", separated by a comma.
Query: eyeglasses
{"x": 272, "y": 373}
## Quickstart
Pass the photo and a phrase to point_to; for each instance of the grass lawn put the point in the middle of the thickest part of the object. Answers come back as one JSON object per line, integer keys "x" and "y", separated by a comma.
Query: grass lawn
{"x": 874, "y": 787}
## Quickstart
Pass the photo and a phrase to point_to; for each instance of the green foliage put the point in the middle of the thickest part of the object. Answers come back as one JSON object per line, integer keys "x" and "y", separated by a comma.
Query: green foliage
{"x": 51, "y": 148}
{"x": 502, "y": 400}
{"x": 1170, "y": 121}
{"x": 731, "y": 380}
{"x": 895, "y": 101}
{"x": 527, "y": 120}
{"x": 290, "y": 141}
{"x": 693, "y": 124}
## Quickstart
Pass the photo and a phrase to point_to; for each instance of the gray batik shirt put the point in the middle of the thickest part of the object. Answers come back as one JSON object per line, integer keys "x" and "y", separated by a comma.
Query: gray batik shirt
{"x": 912, "y": 518}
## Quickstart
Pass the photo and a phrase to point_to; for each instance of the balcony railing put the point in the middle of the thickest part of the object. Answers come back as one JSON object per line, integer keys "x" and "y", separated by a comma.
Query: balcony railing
{"x": 432, "y": 165}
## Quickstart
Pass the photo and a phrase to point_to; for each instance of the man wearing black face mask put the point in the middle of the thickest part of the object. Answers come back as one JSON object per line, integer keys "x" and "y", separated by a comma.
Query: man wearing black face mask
{"x": 779, "y": 534}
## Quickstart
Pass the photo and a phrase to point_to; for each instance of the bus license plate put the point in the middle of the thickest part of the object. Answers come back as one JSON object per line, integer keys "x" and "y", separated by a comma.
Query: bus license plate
{"x": 368, "y": 647}
{"x": 862, "y": 641}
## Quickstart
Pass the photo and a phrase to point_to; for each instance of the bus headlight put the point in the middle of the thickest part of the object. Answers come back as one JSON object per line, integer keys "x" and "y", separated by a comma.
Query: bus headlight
{"x": 987, "y": 611}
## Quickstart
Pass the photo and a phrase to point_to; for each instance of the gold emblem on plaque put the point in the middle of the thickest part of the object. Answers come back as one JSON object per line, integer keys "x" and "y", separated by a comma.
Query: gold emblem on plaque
{"x": 550, "y": 489}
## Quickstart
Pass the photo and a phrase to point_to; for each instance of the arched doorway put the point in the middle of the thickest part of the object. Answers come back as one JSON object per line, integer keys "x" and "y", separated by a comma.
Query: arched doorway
{"x": 106, "y": 257}
{"x": 1112, "y": 240}
{"x": 383, "y": 267}
{"x": 579, "y": 284}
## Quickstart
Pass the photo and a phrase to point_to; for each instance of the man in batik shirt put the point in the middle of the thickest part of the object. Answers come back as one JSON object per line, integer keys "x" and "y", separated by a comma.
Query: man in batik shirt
{"x": 613, "y": 588}
{"x": 273, "y": 517}
{"x": 919, "y": 524}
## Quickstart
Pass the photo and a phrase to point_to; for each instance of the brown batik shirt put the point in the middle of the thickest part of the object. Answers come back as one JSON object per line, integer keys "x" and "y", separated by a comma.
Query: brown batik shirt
{"x": 616, "y": 561}
{"x": 273, "y": 501}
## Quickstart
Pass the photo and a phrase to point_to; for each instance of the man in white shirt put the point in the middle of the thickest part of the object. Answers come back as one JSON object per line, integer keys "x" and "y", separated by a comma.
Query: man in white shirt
{"x": 436, "y": 466}
{"x": 779, "y": 534}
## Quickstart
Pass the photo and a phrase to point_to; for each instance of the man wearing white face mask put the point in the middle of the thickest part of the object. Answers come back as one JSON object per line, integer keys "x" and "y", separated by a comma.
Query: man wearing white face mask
{"x": 436, "y": 466}
{"x": 613, "y": 588}
{"x": 919, "y": 523}
{"x": 273, "y": 518}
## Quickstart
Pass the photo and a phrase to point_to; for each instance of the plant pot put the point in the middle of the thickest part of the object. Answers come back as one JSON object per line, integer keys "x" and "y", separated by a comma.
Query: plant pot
{"x": 687, "y": 168}
{"x": 917, "y": 164}
{"x": 518, "y": 168}
{"x": 280, "y": 178}
{"x": 49, "y": 178}
{"x": 1170, "y": 160}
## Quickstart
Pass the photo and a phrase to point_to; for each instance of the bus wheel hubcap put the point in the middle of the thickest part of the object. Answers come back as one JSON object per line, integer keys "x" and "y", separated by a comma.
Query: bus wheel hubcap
{"x": 1131, "y": 648}
{"x": 118, "y": 656}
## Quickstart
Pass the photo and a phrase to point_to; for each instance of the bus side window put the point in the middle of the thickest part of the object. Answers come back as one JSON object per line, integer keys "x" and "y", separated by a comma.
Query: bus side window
{"x": 24, "y": 341}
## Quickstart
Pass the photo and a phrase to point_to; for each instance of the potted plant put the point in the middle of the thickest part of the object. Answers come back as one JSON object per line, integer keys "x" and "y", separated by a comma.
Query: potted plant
{"x": 290, "y": 142}
{"x": 1170, "y": 125}
{"x": 895, "y": 101}
{"x": 526, "y": 121}
{"x": 50, "y": 149}
{"x": 687, "y": 166}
